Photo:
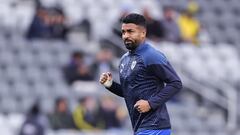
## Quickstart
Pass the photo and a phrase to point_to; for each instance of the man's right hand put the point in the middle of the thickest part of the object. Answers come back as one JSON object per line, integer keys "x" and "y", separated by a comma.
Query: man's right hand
{"x": 106, "y": 79}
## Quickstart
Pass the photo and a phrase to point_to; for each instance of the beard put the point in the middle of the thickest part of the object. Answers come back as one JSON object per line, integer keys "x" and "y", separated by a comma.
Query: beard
{"x": 130, "y": 44}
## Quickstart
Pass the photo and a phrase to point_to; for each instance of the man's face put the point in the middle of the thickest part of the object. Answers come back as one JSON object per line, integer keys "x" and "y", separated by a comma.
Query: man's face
{"x": 132, "y": 35}
{"x": 169, "y": 14}
{"x": 62, "y": 106}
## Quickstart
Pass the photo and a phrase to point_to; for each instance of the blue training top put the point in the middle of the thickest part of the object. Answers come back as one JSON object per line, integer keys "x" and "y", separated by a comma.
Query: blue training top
{"x": 146, "y": 74}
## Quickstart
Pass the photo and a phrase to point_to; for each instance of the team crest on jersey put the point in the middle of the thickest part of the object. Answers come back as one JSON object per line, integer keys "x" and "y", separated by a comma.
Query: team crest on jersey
{"x": 133, "y": 64}
{"x": 121, "y": 68}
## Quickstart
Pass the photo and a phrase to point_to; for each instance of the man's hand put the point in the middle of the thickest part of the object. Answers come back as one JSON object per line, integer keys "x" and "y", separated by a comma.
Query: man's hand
{"x": 142, "y": 106}
{"x": 106, "y": 79}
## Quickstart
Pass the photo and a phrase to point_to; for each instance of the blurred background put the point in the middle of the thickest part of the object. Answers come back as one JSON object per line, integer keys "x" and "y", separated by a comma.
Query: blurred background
{"x": 52, "y": 52}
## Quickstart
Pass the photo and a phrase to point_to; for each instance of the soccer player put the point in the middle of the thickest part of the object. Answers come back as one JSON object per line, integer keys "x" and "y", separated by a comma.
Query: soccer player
{"x": 147, "y": 80}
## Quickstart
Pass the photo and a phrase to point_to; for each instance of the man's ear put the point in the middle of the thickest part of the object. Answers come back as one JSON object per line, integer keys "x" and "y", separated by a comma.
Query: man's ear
{"x": 144, "y": 32}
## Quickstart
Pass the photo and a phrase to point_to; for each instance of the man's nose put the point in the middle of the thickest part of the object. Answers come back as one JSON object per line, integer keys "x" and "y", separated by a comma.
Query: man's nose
{"x": 125, "y": 36}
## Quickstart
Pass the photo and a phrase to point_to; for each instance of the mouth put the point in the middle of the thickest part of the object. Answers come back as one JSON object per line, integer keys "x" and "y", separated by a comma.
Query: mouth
{"x": 128, "y": 42}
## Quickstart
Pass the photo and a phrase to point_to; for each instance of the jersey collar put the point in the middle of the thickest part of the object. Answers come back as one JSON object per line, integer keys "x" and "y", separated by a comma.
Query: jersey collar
{"x": 141, "y": 47}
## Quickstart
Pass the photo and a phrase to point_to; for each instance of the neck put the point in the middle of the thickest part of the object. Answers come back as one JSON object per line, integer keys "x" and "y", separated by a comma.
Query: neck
{"x": 140, "y": 43}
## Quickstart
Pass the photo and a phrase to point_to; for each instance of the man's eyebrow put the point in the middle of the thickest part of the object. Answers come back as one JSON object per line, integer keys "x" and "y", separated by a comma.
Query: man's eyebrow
{"x": 127, "y": 29}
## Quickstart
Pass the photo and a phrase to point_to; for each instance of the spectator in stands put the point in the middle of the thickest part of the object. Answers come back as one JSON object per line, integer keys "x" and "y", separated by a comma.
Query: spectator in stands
{"x": 192, "y": 6}
{"x": 48, "y": 24}
{"x": 33, "y": 124}
{"x": 189, "y": 26}
{"x": 171, "y": 29}
{"x": 85, "y": 26}
{"x": 109, "y": 114}
{"x": 155, "y": 30}
{"x": 103, "y": 62}
{"x": 58, "y": 27}
{"x": 39, "y": 25}
{"x": 86, "y": 114}
{"x": 77, "y": 69}
{"x": 62, "y": 117}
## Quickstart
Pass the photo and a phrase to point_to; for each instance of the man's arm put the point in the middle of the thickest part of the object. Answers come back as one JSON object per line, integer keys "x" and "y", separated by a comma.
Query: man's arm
{"x": 116, "y": 89}
{"x": 166, "y": 73}
{"x": 107, "y": 81}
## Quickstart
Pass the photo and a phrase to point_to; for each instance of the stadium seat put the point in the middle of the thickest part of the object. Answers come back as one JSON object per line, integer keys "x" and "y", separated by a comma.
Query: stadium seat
{"x": 9, "y": 104}
{"x": 47, "y": 105}
{"x": 14, "y": 120}
{"x": 21, "y": 90}
{"x": 4, "y": 90}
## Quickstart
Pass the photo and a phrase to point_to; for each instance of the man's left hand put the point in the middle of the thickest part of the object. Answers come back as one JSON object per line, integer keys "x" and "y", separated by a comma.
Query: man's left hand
{"x": 142, "y": 106}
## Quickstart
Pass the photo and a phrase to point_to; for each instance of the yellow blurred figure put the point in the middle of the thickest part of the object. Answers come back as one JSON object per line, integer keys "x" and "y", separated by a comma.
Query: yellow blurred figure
{"x": 192, "y": 6}
{"x": 189, "y": 27}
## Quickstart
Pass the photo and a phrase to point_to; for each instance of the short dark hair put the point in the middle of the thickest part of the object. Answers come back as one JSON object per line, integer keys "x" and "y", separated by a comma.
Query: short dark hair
{"x": 135, "y": 19}
{"x": 59, "y": 100}
{"x": 77, "y": 54}
{"x": 167, "y": 8}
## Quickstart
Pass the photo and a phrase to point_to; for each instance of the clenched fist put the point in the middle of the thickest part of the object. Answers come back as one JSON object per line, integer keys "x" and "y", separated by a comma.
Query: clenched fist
{"x": 142, "y": 106}
{"x": 106, "y": 79}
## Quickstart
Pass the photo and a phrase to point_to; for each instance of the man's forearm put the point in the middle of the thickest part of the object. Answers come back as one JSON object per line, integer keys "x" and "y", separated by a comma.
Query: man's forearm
{"x": 165, "y": 94}
{"x": 116, "y": 89}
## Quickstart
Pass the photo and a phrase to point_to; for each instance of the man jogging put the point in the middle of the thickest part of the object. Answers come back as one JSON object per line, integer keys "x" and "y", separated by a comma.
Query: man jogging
{"x": 147, "y": 80}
